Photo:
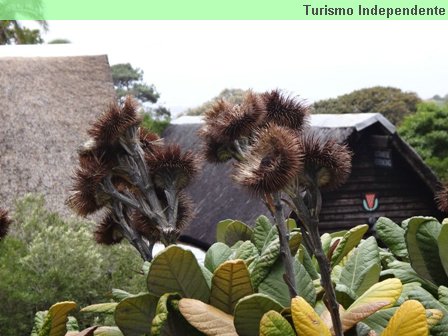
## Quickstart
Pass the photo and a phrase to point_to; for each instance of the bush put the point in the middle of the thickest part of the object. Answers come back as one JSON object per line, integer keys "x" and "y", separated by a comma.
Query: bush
{"x": 47, "y": 258}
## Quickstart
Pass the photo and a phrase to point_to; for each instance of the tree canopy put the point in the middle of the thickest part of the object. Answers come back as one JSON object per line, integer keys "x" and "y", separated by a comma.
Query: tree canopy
{"x": 427, "y": 132}
{"x": 13, "y": 32}
{"x": 233, "y": 96}
{"x": 393, "y": 103}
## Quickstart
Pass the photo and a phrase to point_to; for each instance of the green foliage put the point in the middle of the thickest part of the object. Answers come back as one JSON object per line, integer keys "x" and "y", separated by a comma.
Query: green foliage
{"x": 427, "y": 132}
{"x": 233, "y": 96}
{"x": 12, "y": 31}
{"x": 154, "y": 125}
{"x": 46, "y": 259}
{"x": 393, "y": 103}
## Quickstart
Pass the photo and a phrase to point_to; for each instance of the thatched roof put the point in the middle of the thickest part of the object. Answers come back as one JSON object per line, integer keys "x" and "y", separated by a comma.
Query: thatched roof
{"x": 46, "y": 105}
{"x": 218, "y": 198}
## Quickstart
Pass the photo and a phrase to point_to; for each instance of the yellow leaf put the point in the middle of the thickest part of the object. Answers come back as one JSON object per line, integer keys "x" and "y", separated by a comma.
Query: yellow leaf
{"x": 306, "y": 321}
{"x": 408, "y": 320}
{"x": 433, "y": 316}
{"x": 354, "y": 315}
{"x": 387, "y": 292}
{"x": 206, "y": 318}
{"x": 59, "y": 317}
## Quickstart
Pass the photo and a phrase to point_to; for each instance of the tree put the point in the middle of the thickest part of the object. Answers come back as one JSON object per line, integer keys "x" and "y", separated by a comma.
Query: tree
{"x": 12, "y": 32}
{"x": 129, "y": 81}
{"x": 393, "y": 103}
{"x": 427, "y": 132}
{"x": 233, "y": 96}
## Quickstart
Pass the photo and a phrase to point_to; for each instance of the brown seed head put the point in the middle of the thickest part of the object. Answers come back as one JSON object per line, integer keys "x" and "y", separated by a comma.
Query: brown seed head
{"x": 169, "y": 165}
{"x": 272, "y": 161}
{"x": 149, "y": 140}
{"x": 112, "y": 124}
{"x": 326, "y": 160}
{"x": 285, "y": 111}
{"x": 442, "y": 199}
{"x": 88, "y": 196}
{"x": 108, "y": 231}
{"x": 5, "y": 222}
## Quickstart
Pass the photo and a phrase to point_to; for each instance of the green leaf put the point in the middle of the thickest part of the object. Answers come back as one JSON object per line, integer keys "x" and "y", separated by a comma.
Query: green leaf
{"x": 421, "y": 240}
{"x": 175, "y": 270}
{"x": 230, "y": 282}
{"x": 429, "y": 302}
{"x": 261, "y": 266}
{"x": 100, "y": 308}
{"x": 443, "y": 296}
{"x": 168, "y": 320}
{"x": 295, "y": 238}
{"x": 236, "y": 231}
{"x": 442, "y": 243}
{"x": 53, "y": 322}
{"x": 378, "y": 320}
{"x": 134, "y": 315}
{"x": 206, "y": 318}
{"x": 250, "y": 310}
{"x": 307, "y": 262}
{"x": 246, "y": 251}
{"x": 216, "y": 255}
{"x": 221, "y": 228}
{"x": 393, "y": 236}
{"x": 291, "y": 224}
{"x": 274, "y": 285}
{"x": 262, "y": 232}
{"x": 362, "y": 269}
{"x": 108, "y": 331}
{"x": 207, "y": 275}
{"x": 39, "y": 320}
{"x": 72, "y": 324}
{"x": 274, "y": 324}
{"x": 326, "y": 242}
{"x": 119, "y": 294}
{"x": 350, "y": 239}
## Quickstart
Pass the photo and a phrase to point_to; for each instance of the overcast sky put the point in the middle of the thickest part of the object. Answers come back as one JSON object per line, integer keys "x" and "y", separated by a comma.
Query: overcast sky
{"x": 192, "y": 61}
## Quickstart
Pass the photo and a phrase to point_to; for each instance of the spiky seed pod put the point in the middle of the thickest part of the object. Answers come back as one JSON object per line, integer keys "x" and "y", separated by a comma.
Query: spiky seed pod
{"x": 442, "y": 199}
{"x": 271, "y": 162}
{"x": 5, "y": 222}
{"x": 112, "y": 124}
{"x": 88, "y": 196}
{"x": 149, "y": 230}
{"x": 149, "y": 140}
{"x": 237, "y": 122}
{"x": 108, "y": 231}
{"x": 285, "y": 110}
{"x": 216, "y": 152}
{"x": 172, "y": 168}
{"x": 219, "y": 107}
{"x": 327, "y": 161}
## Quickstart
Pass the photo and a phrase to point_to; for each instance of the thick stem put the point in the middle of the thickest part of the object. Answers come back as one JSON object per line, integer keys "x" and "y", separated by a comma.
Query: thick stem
{"x": 285, "y": 252}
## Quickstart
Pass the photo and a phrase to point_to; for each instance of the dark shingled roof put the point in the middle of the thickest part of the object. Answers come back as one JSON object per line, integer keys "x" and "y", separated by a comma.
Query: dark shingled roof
{"x": 218, "y": 198}
{"x": 46, "y": 105}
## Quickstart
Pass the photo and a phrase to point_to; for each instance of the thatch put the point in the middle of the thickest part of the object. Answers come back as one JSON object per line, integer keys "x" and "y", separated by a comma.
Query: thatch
{"x": 46, "y": 105}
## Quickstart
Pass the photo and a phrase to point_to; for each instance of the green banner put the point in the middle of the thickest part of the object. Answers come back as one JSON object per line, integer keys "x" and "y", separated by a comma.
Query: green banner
{"x": 224, "y": 10}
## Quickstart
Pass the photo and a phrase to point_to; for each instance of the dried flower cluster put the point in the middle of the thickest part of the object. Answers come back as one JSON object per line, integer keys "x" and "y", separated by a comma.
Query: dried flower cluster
{"x": 442, "y": 199}
{"x": 136, "y": 178}
{"x": 5, "y": 222}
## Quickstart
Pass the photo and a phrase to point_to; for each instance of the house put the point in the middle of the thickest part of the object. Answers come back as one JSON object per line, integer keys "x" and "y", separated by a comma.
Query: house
{"x": 46, "y": 104}
{"x": 388, "y": 179}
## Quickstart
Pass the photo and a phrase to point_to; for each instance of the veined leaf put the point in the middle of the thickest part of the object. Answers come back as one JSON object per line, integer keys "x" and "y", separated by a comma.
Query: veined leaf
{"x": 206, "y": 318}
{"x": 305, "y": 259}
{"x": 421, "y": 240}
{"x": 261, "y": 266}
{"x": 393, "y": 236}
{"x": 230, "y": 282}
{"x": 236, "y": 231}
{"x": 274, "y": 324}
{"x": 433, "y": 317}
{"x": 408, "y": 320}
{"x": 53, "y": 322}
{"x": 387, "y": 291}
{"x": 246, "y": 251}
{"x": 107, "y": 331}
{"x": 119, "y": 294}
{"x": 216, "y": 255}
{"x": 362, "y": 269}
{"x": 348, "y": 242}
{"x": 134, "y": 315}
{"x": 175, "y": 270}
{"x": 295, "y": 238}
{"x": 249, "y": 311}
{"x": 100, "y": 308}
{"x": 443, "y": 296}
{"x": 306, "y": 321}
{"x": 263, "y": 232}
{"x": 221, "y": 228}
{"x": 379, "y": 320}
{"x": 442, "y": 243}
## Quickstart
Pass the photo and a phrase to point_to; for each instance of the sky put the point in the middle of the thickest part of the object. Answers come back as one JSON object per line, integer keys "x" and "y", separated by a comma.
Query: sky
{"x": 190, "y": 62}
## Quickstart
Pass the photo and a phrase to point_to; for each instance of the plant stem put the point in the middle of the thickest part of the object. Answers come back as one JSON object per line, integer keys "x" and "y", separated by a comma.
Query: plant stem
{"x": 285, "y": 252}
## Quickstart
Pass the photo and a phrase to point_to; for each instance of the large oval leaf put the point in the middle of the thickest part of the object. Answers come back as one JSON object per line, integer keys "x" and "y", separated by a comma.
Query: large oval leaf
{"x": 230, "y": 282}
{"x": 350, "y": 239}
{"x": 264, "y": 233}
{"x": 100, "y": 308}
{"x": 274, "y": 324}
{"x": 408, "y": 320}
{"x": 107, "y": 331}
{"x": 206, "y": 318}
{"x": 392, "y": 235}
{"x": 362, "y": 269}
{"x": 261, "y": 267}
{"x": 274, "y": 284}
{"x": 306, "y": 321}
{"x": 134, "y": 315}
{"x": 237, "y": 231}
{"x": 387, "y": 291}
{"x": 175, "y": 270}
{"x": 249, "y": 311}
{"x": 421, "y": 240}
{"x": 216, "y": 255}
{"x": 442, "y": 243}
{"x": 53, "y": 322}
